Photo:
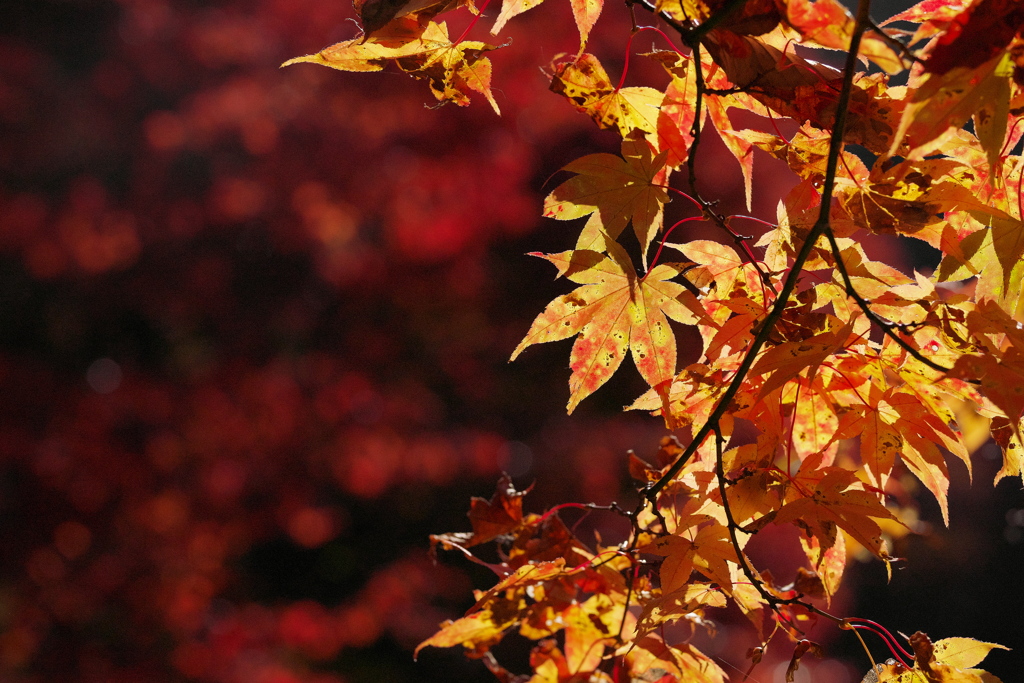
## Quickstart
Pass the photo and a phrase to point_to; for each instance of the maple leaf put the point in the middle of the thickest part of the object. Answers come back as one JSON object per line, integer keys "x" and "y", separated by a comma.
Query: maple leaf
{"x": 589, "y": 626}
{"x": 586, "y": 85}
{"x": 772, "y": 74}
{"x": 993, "y": 254}
{"x": 931, "y": 667}
{"x": 706, "y": 550}
{"x": 423, "y": 51}
{"x": 724, "y": 268}
{"x": 828, "y": 498}
{"x": 766, "y": 64}
{"x": 717, "y": 111}
{"x": 814, "y": 421}
{"x": 509, "y": 9}
{"x": 495, "y": 611}
{"x": 963, "y": 653}
{"x": 677, "y": 113}
{"x": 376, "y": 14}
{"x": 983, "y": 31}
{"x": 585, "y": 13}
{"x": 650, "y": 659}
{"x": 618, "y": 190}
{"x": 688, "y": 602}
{"x": 934, "y": 17}
{"x": 911, "y": 196}
{"x": 830, "y": 563}
{"x": 502, "y": 514}
{"x": 944, "y": 102}
{"x": 1002, "y": 380}
{"x": 614, "y": 311}
{"x": 827, "y": 23}
{"x": 789, "y": 359}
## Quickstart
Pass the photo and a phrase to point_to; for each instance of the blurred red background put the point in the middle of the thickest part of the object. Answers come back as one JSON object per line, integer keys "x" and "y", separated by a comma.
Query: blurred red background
{"x": 254, "y": 326}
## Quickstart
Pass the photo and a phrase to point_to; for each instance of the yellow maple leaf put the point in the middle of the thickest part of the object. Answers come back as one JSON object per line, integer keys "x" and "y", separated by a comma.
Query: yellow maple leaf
{"x": 586, "y": 85}
{"x": 614, "y": 311}
{"x": 619, "y": 190}
{"x": 422, "y": 51}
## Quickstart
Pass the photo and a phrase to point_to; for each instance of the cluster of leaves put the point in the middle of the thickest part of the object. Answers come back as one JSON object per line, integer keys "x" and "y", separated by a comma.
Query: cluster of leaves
{"x": 820, "y": 368}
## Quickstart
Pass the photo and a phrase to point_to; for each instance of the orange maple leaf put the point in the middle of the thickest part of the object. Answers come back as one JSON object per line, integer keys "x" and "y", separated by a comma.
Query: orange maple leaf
{"x": 823, "y": 499}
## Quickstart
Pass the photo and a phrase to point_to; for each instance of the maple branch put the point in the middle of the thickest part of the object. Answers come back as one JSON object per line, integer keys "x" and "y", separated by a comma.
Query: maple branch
{"x": 819, "y": 228}
{"x": 707, "y": 208}
{"x": 698, "y": 103}
{"x": 693, "y": 36}
{"x": 733, "y": 526}
{"x": 888, "y": 327}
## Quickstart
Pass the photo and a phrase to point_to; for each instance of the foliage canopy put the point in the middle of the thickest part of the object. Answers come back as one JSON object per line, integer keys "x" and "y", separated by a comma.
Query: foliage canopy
{"x": 821, "y": 370}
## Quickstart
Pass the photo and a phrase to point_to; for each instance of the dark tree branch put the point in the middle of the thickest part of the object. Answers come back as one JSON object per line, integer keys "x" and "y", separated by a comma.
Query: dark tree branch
{"x": 789, "y": 284}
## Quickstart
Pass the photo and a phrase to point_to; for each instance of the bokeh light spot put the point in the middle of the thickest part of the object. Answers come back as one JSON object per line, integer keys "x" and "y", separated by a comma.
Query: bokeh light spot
{"x": 104, "y": 376}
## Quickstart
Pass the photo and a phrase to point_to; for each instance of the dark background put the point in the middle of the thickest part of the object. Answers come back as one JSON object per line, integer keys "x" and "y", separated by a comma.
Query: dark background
{"x": 254, "y": 326}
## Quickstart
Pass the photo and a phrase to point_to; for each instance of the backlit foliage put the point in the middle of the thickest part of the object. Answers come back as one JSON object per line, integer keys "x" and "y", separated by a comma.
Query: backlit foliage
{"x": 820, "y": 369}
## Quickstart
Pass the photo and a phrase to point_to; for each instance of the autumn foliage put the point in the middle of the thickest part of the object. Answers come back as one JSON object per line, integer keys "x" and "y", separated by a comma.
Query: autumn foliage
{"x": 821, "y": 368}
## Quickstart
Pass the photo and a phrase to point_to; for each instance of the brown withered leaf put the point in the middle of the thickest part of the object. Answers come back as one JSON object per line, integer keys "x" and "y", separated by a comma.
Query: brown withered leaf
{"x": 502, "y": 514}
{"x": 546, "y": 539}
{"x": 1004, "y": 433}
{"x": 802, "y": 648}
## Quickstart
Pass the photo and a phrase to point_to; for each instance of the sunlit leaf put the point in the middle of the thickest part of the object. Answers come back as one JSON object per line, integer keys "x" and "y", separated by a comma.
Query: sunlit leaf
{"x": 619, "y": 190}
{"x": 612, "y": 312}
{"x": 586, "y": 85}
{"x": 423, "y": 51}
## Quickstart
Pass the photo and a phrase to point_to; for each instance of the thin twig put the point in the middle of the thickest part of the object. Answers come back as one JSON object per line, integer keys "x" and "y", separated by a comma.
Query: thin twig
{"x": 693, "y": 36}
{"x": 664, "y": 16}
{"x": 888, "y": 327}
{"x": 904, "y": 51}
{"x": 741, "y": 558}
